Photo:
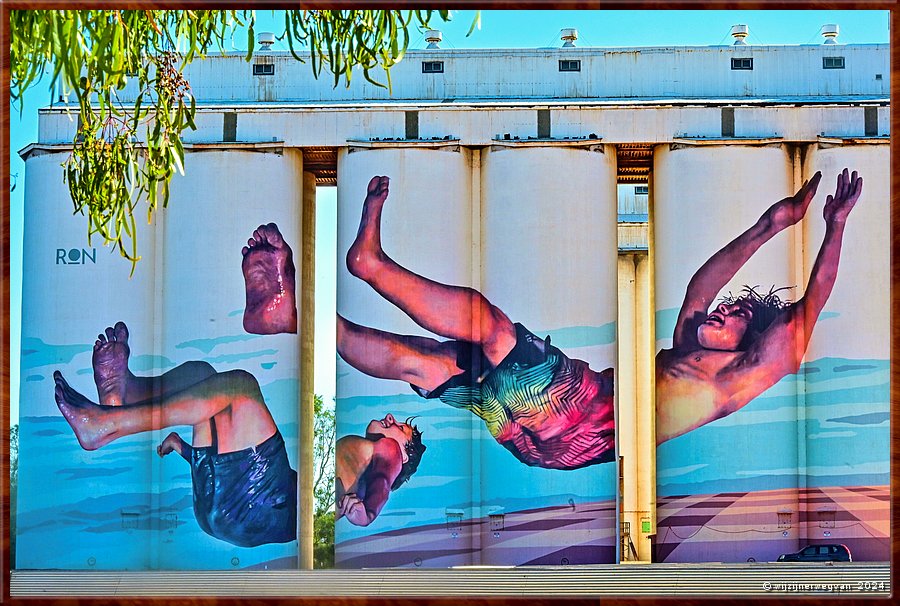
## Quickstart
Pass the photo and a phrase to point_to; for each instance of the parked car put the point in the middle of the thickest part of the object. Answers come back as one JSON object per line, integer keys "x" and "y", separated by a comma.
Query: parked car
{"x": 818, "y": 553}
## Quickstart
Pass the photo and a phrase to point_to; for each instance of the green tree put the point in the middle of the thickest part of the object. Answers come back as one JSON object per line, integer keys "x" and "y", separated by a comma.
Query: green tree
{"x": 324, "y": 428}
{"x": 125, "y": 153}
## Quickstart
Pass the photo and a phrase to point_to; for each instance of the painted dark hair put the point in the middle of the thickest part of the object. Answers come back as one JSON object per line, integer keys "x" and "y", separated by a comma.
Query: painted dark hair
{"x": 414, "y": 450}
{"x": 766, "y": 307}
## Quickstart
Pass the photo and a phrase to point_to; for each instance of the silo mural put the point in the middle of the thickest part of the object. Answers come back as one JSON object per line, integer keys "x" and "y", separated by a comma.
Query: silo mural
{"x": 417, "y": 203}
{"x": 549, "y": 261}
{"x": 509, "y": 459}
{"x": 759, "y": 382}
{"x": 846, "y": 370}
{"x": 161, "y": 409}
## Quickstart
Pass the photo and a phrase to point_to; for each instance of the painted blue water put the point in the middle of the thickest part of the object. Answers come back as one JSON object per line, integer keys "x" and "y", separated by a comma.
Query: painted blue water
{"x": 122, "y": 507}
{"x": 464, "y": 470}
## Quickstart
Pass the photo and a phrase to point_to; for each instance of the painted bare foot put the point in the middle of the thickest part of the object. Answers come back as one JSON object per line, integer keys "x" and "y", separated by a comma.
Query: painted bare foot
{"x": 87, "y": 419}
{"x": 171, "y": 443}
{"x": 110, "y": 362}
{"x": 365, "y": 254}
{"x": 269, "y": 279}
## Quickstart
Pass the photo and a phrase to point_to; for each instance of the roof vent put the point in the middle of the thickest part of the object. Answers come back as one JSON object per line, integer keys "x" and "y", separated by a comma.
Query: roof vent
{"x": 266, "y": 40}
{"x": 830, "y": 32}
{"x": 568, "y": 35}
{"x": 740, "y": 32}
{"x": 433, "y": 37}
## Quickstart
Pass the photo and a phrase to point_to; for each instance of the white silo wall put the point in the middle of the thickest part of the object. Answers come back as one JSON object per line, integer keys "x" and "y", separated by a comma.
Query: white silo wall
{"x": 215, "y": 207}
{"x": 65, "y": 303}
{"x": 848, "y": 360}
{"x": 860, "y": 301}
{"x": 549, "y": 260}
{"x": 223, "y": 197}
{"x": 549, "y": 257}
{"x": 703, "y": 198}
{"x": 65, "y": 292}
{"x": 183, "y": 304}
{"x": 426, "y": 228}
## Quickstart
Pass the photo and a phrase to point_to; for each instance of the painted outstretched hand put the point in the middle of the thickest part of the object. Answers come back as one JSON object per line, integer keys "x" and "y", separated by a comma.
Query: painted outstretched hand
{"x": 792, "y": 209}
{"x": 839, "y": 205}
{"x": 352, "y": 507}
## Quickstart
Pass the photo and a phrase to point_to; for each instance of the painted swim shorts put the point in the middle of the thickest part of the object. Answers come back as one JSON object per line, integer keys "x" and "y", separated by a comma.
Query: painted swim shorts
{"x": 536, "y": 381}
{"x": 247, "y": 497}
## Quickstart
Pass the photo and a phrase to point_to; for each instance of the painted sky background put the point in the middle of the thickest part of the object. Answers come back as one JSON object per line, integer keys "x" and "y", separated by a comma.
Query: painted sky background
{"x": 499, "y": 29}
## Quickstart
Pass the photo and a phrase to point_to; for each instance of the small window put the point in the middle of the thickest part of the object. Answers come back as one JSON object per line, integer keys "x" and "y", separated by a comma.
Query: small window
{"x": 454, "y": 523}
{"x": 641, "y": 190}
{"x": 742, "y": 63}
{"x": 263, "y": 69}
{"x": 432, "y": 67}
{"x": 826, "y": 518}
{"x": 570, "y": 65}
{"x": 878, "y": 76}
{"x": 832, "y": 63}
{"x": 784, "y": 519}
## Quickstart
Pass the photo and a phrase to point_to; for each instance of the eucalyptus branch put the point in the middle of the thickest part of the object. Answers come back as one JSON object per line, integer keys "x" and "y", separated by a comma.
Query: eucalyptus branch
{"x": 94, "y": 54}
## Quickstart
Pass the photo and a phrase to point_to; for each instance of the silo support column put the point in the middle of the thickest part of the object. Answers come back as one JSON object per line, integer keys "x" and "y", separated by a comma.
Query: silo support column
{"x": 307, "y": 348}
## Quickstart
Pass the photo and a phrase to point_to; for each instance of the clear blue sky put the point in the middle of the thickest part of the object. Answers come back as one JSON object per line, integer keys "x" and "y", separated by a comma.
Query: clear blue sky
{"x": 499, "y": 29}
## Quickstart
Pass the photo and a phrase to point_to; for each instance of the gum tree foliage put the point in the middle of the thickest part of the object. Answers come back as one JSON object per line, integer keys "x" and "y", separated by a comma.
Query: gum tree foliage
{"x": 126, "y": 153}
{"x": 324, "y": 429}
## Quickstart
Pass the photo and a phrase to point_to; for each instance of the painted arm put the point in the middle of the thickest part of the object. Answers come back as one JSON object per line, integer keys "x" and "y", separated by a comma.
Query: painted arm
{"x": 721, "y": 267}
{"x": 362, "y": 512}
{"x": 174, "y": 443}
{"x": 781, "y": 347}
{"x": 374, "y": 484}
{"x": 184, "y": 449}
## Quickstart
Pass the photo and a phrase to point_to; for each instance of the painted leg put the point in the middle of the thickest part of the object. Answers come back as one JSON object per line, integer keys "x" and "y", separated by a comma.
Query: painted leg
{"x": 269, "y": 279}
{"x": 116, "y": 385}
{"x": 96, "y": 425}
{"x": 454, "y": 312}
{"x": 421, "y": 361}
{"x": 183, "y": 376}
{"x": 110, "y": 363}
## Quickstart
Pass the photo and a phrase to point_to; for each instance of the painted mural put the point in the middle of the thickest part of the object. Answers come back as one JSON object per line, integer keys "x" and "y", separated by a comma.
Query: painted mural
{"x": 510, "y": 458}
{"x": 167, "y": 439}
{"x": 546, "y": 409}
{"x": 772, "y": 401}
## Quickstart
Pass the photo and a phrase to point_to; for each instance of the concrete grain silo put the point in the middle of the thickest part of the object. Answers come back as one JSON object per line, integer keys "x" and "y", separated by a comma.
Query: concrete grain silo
{"x": 503, "y": 167}
{"x": 68, "y": 290}
{"x": 705, "y": 196}
{"x": 847, "y": 361}
{"x": 549, "y": 262}
{"x": 426, "y": 227}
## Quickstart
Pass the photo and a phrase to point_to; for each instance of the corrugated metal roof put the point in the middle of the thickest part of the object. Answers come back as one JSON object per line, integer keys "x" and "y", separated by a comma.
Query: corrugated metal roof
{"x": 583, "y": 50}
{"x": 774, "y": 580}
{"x": 675, "y": 74}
